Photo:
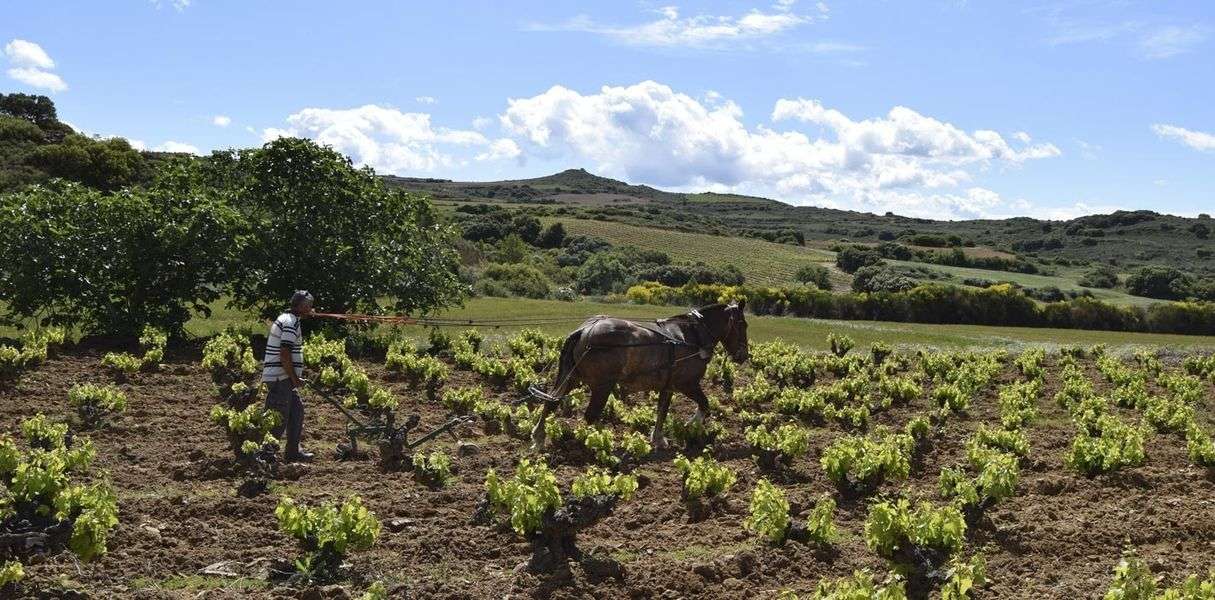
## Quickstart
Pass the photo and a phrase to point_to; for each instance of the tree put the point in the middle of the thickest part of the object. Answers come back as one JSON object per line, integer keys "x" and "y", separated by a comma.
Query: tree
{"x": 1100, "y": 277}
{"x": 111, "y": 263}
{"x": 601, "y": 274}
{"x": 512, "y": 249}
{"x": 1165, "y": 283}
{"x": 107, "y": 164}
{"x": 878, "y": 278}
{"x": 816, "y": 275}
{"x": 526, "y": 226}
{"x": 552, "y": 237}
{"x": 318, "y": 223}
{"x": 39, "y": 110}
{"x": 852, "y": 258}
{"x": 1200, "y": 230}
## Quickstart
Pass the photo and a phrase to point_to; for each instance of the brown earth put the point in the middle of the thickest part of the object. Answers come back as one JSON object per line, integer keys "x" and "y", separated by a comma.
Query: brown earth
{"x": 1060, "y": 537}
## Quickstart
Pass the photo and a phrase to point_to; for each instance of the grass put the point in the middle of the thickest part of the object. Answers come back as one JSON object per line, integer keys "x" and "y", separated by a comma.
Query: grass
{"x": 763, "y": 262}
{"x": 1061, "y": 281}
{"x": 767, "y": 263}
{"x": 809, "y": 333}
{"x": 812, "y": 333}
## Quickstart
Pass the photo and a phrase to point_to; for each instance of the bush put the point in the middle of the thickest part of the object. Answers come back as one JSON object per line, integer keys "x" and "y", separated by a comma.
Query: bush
{"x": 877, "y": 278}
{"x": 94, "y": 403}
{"x": 852, "y": 258}
{"x": 434, "y": 467}
{"x": 816, "y": 275}
{"x": 769, "y": 516}
{"x": 229, "y": 359}
{"x": 602, "y": 273}
{"x": 80, "y": 257}
{"x": 248, "y": 430}
{"x": 597, "y": 481}
{"x": 1100, "y": 277}
{"x": 863, "y": 463}
{"x": 327, "y": 533}
{"x": 894, "y": 527}
{"x": 513, "y": 280}
{"x": 1165, "y": 283}
{"x": 703, "y": 476}
{"x": 152, "y": 341}
{"x": 38, "y": 492}
{"x": 860, "y": 586}
{"x": 527, "y": 497}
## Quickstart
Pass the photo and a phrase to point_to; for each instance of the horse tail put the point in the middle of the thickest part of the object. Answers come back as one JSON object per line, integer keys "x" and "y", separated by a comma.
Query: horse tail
{"x": 566, "y": 363}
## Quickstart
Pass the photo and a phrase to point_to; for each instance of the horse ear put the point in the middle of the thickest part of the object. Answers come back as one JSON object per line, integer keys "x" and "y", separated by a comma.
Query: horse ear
{"x": 742, "y": 303}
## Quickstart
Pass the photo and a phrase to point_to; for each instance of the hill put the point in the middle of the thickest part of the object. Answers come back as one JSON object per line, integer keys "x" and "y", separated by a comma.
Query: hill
{"x": 1123, "y": 239}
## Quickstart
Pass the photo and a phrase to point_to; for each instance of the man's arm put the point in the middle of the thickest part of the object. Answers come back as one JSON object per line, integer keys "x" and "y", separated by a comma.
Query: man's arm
{"x": 284, "y": 357}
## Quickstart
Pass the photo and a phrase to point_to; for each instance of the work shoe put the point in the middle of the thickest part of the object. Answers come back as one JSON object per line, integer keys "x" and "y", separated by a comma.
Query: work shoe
{"x": 298, "y": 457}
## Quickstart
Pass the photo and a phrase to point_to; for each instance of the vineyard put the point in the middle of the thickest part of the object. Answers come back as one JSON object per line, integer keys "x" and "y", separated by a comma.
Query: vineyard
{"x": 861, "y": 471}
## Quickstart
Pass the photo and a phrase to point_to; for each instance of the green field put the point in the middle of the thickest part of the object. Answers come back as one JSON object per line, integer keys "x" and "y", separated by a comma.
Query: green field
{"x": 812, "y": 333}
{"x": 763, "y": 262}
{"x": 767, "y": 263}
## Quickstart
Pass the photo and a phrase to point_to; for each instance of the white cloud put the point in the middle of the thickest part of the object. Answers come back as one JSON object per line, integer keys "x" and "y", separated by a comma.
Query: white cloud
{"x": 426, "y": 100}
{"x": 503, "y": 148}
{"x": 652, "y": 134}
{"x": 221, "y": 120}
{"x": 22, "y": 53}
{"x": 1198, "y": 140}
{"x": 480, "y": 122}
{"x": 391, "y": 141}
{"x": 672, "y": 29}
{"x": 171, "y": 146}
{"x": 1171, "y": 40}
{"x": 179, "y": 5}
{"x": 32, "y": 66}
{"x": 39, "y": 79}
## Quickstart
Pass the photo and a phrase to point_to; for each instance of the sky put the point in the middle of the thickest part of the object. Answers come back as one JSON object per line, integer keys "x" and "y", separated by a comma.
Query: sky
{"x": 939, "y": 109}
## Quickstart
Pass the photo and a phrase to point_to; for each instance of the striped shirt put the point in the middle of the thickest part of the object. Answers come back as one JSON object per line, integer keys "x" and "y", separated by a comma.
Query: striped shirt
{"x": 284, "y": 332}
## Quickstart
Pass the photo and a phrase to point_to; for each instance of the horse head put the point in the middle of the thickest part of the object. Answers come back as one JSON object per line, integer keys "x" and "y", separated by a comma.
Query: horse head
{"x": 734, "y": 338}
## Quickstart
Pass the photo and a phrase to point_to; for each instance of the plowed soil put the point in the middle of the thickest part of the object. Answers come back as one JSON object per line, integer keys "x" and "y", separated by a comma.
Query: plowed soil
{"x": 185, "y": 533}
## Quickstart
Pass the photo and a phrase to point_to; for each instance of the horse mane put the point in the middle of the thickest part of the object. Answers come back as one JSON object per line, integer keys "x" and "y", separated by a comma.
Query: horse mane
{"x": 687, "y": 317}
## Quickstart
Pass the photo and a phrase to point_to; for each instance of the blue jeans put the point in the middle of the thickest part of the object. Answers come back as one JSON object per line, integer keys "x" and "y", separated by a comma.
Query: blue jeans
{"x": 286, "y": 400}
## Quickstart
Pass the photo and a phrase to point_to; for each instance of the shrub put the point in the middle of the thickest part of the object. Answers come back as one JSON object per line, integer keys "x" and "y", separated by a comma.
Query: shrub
{"x": 785, "y": 443}
{"x": 1165, "y": 283}
{"x": 840, "y": 344}
{"x": 152, "y": 341}
{"x": 597, "y": 481}
{"x": 513, "y": 280}
{"x": 84, "y": 255}
{"x": 820, "y": 527}
{"x": 94, "y": 403}
{"x": 527, "y": 497}
{"x": 1117, "y": 445}
{"x": 600, "y": 440}
{"x": 963, "y": 576}
{"x": 890, "y": 528}
{"x": 816, "y": 275}
{"x": 852, "y": 258}
{"x": 248, "y": 430}
{"x": 704, "y": 476}
{"x": 860, "y": 586}
{"x": 327, "y": 533}
{"x": 880, "y": 278}
{"x": 463, "y": 400}
{"x": 769, "y": 516}
{"x": 1133, "y": 580}
{"x": 229, "y": 359}
{"x": 434, "y": 467}
{"x": 38, "y": 492}
{"x": 863, "y": 462}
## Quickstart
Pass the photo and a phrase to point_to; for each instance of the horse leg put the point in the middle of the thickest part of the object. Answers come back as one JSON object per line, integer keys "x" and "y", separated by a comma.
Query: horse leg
{"x": 702, "y": 406}
{"x": 599, "y": 397}
{"x": 664, "y": 404}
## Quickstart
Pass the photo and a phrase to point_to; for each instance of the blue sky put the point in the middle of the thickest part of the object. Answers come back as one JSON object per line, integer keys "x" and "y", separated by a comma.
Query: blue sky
{"x": 937, "y": 109}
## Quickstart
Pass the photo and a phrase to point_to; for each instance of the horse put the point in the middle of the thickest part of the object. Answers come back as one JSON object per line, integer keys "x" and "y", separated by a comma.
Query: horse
{"x": 666, "y": 356}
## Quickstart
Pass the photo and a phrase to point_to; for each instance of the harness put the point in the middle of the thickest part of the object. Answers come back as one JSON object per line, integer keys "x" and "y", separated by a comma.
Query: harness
{"x": 703, "y": 350}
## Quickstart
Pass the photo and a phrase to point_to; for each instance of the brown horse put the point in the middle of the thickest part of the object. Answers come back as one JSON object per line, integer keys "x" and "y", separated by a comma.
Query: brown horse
{"x": 665, "y": 356}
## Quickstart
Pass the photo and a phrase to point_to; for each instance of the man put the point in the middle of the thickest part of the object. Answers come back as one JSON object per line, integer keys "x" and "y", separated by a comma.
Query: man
{"x": 283, "y": 367}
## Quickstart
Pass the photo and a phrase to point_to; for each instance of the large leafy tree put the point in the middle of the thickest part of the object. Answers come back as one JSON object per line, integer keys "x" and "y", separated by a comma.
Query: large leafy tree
{"x": 111, "y": 263}
{"x": 316, "y": 222}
